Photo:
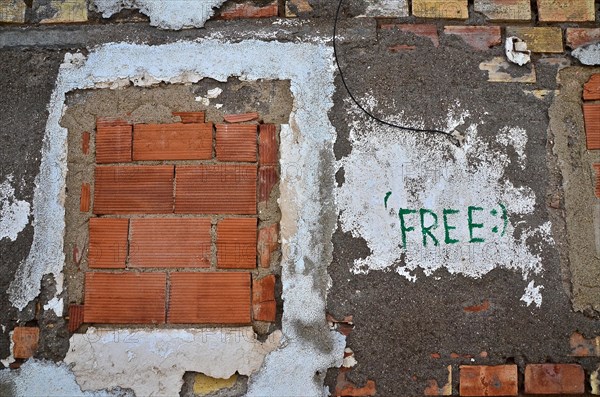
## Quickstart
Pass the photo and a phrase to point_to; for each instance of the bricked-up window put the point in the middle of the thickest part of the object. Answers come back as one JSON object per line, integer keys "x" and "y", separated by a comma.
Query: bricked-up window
{"x": 174, "y": 231}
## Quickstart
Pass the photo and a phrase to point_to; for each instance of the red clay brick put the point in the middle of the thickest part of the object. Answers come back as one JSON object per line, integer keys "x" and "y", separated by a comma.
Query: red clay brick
{"x": 240, "y": 118}
{"x": 422, "y": 30}
{"x": 579, "y": 37}
{"x": 401, "y": 48}
{"x": 566, "y": 10}
{"x": 481, "y": 38}
{"x": 177, "y": 141}
{"x": 267, "y": 243}
{"x": 75, "y": 317}
{"x": 125, "y": 298}
{"x": 108, "y": 243}
{"x": 591, "y": 89}
{"x": 236, "y": 142}
{"x": 484, "y": 380}
{"x": 504, "y": 10}
{"x": 25, "y": 341}
{"x": 134, "y": 189}
{"x": 264, "y": 307}
{"x": 113, "y": 144}
{"x": 191, "y": 117}
{"x": 554, "y": 379}
{"x": 268, "y": 176}
{"x": 249, "y": 10}
{"x": 344, "y": 387}
{"x": 209, "y": 298}
{"x": 216, "y": 189}
{"x": 485, "y": 305}
{"x": 591, "y": 114}
{"x": 268, "y": 147}
{"x": 84, "y": 199}
{"x": 85, "y": 143}
{"x": 236, "y": 243}
{"x": 173, "y": 242}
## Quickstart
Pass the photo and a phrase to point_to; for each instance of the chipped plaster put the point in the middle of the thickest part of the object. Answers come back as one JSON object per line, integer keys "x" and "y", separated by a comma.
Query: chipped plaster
{"x": 309, "y": 68}
{"x": 387, "y": 171}
{"x": 172, "y": 14}
{"x": 14, "y": 214}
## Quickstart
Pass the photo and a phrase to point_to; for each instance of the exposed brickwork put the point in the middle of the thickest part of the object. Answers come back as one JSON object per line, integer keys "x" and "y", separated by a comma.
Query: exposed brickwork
{"x": 190, "y": 117}
{"x": 209, "y": 298}
{"x": 135, "y": 298}
{"x": 216, "y": 189}
{"x": 237, "y": 142}
{"x": 479, "y": 37}
{"x": 580, "y": 346}
{"x": 591, "y": 89}
{"x": 264, "y": 306}
{"x": 591, "y": 114}
{"x": 504, "y": 10}
{"x": 444, "y": 9}
{"x": 539, "y": 39}
{"x": 171, "y": 242}
{"x": 85, "y": 197}
{"x": 113, "y": 143}
{"x": 267, "y": 243}
{"x": 250, "y": 10}
{"x": 26, "y": 340}
{"x": 566, "y": 10}
{"x": 85, "y": 143}
{"x": 197, "y": 236}
{"x": 177, "y": 141}
{"x": 559, "y": 379}
{"x": 484, "y": 380}
{"x": 577, "y": 37}
{"x": 133, "y": 189}
{"x": 240, "y": 118}
{"x": 76, "y": 313}
{"x": 108, "y": 243}
{"x": 236, "y": 243}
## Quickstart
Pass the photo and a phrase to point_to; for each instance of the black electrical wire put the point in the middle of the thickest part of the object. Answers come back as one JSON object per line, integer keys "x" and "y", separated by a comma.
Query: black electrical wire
{"x": 361, "y": 107}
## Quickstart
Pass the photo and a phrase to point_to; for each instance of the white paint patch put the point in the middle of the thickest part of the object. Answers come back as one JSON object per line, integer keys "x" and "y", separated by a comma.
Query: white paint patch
{"x": 37, "y": 378}
{"x": 516, "y": 51}
{"x": 309, "y": 68}
{"x": 56, "y": 305}
{"x": 153, "y": 362}
{"x": 214, "y": 93}
{"x": 171, "y": 14}
{"x": 14, "y": 214}
{"x": 430, "y": 173}
{"x": 588, "y": 55}
{"x": 532, "y": 294}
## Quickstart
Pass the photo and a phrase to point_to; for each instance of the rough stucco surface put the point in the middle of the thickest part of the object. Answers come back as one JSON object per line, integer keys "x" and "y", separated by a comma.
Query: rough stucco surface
{"x": 575, "y": 162}
{"x": 308, "y": 347}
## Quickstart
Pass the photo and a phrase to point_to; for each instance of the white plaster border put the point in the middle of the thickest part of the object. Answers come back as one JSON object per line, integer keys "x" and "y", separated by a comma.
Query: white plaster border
{"x": 291, "y": 369}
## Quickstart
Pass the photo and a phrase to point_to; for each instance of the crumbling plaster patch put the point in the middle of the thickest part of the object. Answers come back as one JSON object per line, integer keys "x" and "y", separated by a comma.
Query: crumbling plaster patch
{"x": 172, "y": 14}
{"x": 14, "y": 214}
{"x": 309, "y": 68}
{"x": 388, "y": 171}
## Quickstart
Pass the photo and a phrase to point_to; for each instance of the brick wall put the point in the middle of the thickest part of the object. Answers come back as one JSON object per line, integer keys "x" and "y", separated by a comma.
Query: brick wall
{"x": 174, "y": 232}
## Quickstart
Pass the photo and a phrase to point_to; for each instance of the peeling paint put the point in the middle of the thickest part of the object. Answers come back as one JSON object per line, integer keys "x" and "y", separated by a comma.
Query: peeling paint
{"x": 14, "y": 214}
{"x": 56, "y": 305}
{"x": 172, "y": 14}
{"x": 588, "y": 55}
{"x": 36, "y": 378}
{"x": 532, "y": 294}
{"x": 433, "y": 174}
{"x": 153, "y": 362}
{"x": 516, "y": 51}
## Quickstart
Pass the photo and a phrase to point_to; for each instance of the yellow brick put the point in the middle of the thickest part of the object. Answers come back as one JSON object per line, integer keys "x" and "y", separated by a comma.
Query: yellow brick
{"x": 539, "y": 39}
{"x": 445, "y": 9}
{"x": 504, "y": 10}
{"x": 12, "y": 11}
{"x": 68, "y": 11}
{"x": 204, "y": 385}
{"x": 566, "y": 10}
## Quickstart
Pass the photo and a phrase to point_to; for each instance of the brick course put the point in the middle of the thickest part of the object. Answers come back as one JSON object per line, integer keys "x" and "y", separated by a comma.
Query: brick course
{"x": 484, "y": 380}
{"x": 559, "y": 379}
